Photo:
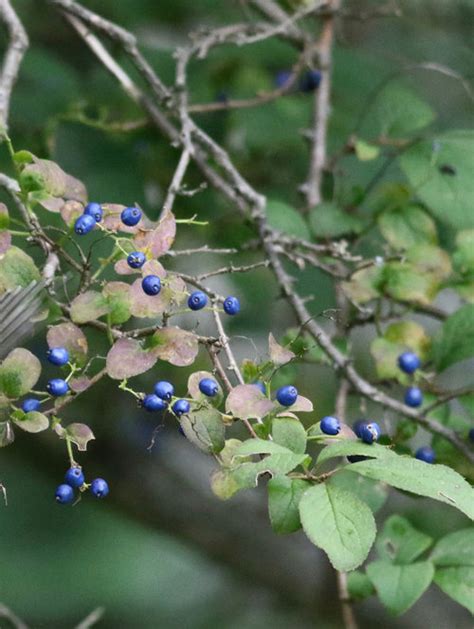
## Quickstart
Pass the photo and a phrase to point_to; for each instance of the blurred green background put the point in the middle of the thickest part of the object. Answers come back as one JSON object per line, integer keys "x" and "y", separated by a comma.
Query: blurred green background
{"x": 162, "y": 551}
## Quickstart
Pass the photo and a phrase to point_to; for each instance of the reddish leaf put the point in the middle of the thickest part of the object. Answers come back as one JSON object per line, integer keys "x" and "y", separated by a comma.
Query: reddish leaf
{"x": 157, "y": 241}
{"x": 113, "y": 221}
{"x": 127, "y": 358}
{"x": 193, "y": 383}
{"x": 278, "y": 355}
{"x": 80, "y": 384}
{"x": 302, "y": 405}
{"x": 246, "y": 401}
{"x": 70, "y": 211}
{"x": 80, "y": 434}
{"x": 121, "y": 268}
{"x": 176, "y": 346}
{"x": 72, "y": 338}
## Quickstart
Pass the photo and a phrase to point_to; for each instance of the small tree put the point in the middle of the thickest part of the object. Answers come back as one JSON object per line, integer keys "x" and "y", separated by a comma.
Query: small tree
{"x": 329, "y": 477}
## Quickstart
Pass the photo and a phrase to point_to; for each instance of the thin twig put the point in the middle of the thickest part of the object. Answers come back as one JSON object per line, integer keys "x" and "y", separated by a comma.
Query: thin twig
{"x": 18, "y": 43}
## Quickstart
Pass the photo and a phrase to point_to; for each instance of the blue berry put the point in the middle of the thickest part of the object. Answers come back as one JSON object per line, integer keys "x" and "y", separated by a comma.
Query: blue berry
{"x": 164, "y": 390}
{"x": 209, "y": 387}
{"x": 471, "y": 434}
{"x": 181, "y": 407}
{"x": 370, "y": 432}
{"x": 84, "y": 224}
{"x": 425, "y": 454}
{"x": 99, "y": 488}
{"x": 231, "y": 305}
{"x": 310, "y": 81}
{"x": 261, "y": 385}
{"x": 153, "y": 403}
{"x": 197, "y": 300}
{"x": 64, "y": 494}
{"x": 57, "y": 387}
{"x": 281, "y": 78}
{"x": 74, "y": 477}
{"x": 136, "y": 259}
{"x": 330, "y": 425}
{"x": 151, "y": 285}
{"x": 30, "y": 404}
{"x": 413, "y": 397}
{"x": 287, "y": 395}
{"x": 131, "y": 216}
{"x": 58, "y": 356}
{"x": 94, "y": 210}
{"x": 357, "y": 427}
{"x": 409, "y": 362}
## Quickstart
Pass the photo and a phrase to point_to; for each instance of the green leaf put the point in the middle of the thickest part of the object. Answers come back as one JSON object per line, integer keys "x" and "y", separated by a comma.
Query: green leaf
{"x": 17, "y": 269}
{"x": 364, "y": 284}
{"x": 454, "y": 341}
{"x": 397, "y": 338}
{"x": 400, "y": 542}
{"x": 32, "y": 422}
{"x": 373, "y": 493}
{"x": 346, "y": 447}
{"x": 455, "y": 549}
{"x": 260, "y": 446}
{"x": 406, "y": 226}
{"x": 88, "y": 306}
{"x": 359, "y": 586}
{"x": 366, "y": 152}
{"x": 447, "y": 194}
{"x": 327, "y": 220}
{"x": 433, "y": 481}
{"x": 463, "y": 257}
{"x": 400, "y": 112}
{"x": 284, "y": 495}
{"x": 287, "y": 220}
{"x": 19, "y": 373}
{"x": 289, "y": 432}
{"x": 339, "y": 523}
{"x": 404, "y": 282}
{"x": 246, "y": 474}
{"x": 400, "y": 586}
{"x": 457, "y": 583}
{"x": 117, "y": 297}
{"x": 204, "y": 428}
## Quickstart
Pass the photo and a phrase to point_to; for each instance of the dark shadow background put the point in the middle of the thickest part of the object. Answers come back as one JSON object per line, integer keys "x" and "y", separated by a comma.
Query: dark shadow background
{"x": 162, "y": 551}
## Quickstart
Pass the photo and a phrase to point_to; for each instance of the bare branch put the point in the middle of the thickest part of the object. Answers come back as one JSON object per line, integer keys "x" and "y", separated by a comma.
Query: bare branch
{"x": 321, "y": 111}
{"x": 13, "y": 57}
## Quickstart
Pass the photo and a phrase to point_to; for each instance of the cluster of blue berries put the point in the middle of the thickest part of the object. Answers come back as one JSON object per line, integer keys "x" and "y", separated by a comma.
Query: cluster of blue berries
{"x": 409, "y": 362}
{"x": 309, "y": 81}
{"x": 367, "y": 431}
{"x": 57, "y": 387}
{"x": 75, "y": 479}
{"x": 93, "y": 214}
{"x": 161, "y": 397}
